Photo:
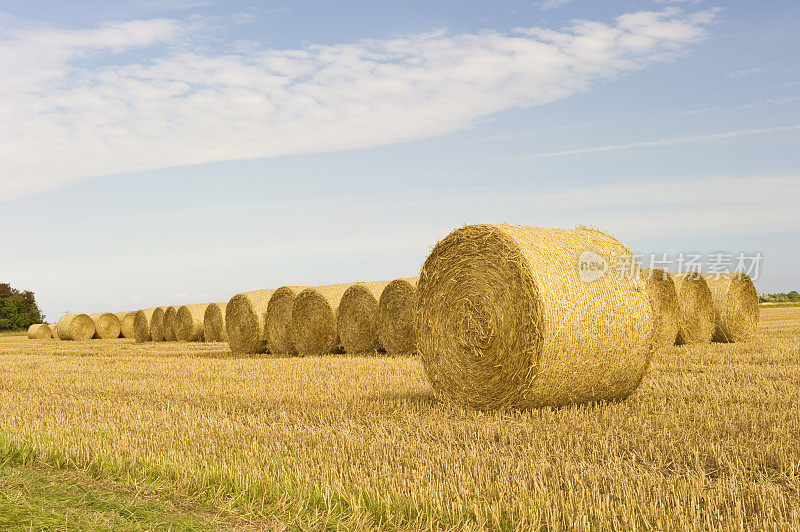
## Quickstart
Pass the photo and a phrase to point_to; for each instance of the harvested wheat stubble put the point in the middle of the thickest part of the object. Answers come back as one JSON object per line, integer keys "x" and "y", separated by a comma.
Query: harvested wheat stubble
{"x": 168, "y": 326}
{"x": 126, "y": 323}
{"x": 695, "y": 309}
{"x": 279, "y": 314}
{"x": 53, "y": 330}
{"x": 661, "y": 289}
{"x": 157, "y": 324}
{"x": 214, "y": 323}
{"x": 141, "y": 324}
{"x": 39, "y": 331}
{"x": 396, "y": 309}
{"x": 245, "y": 317}
{"x": 313, "y": 324}
{"x": 735, "y": 306}
{"x": 188, "y": 323}
{"x": 106, "y": 325}
{"x": 357, "y": 317}
{"x": 505, "y": 320}
{"x": 75, "y": 327}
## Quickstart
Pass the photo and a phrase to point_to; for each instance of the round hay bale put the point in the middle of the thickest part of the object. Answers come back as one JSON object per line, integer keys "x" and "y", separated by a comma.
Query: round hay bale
{"x": 357, "y": 317}
{"x": 513, "y": 316}
{"x": 313, "y": 324}
{"x": 126, "y": 323}
{"x": 245, "y": 321}
{"x": 106, "y": 325}
{"x": 188, "y": 323}
{"x": 39, "y": 331}
{"x": 53, "y": 330}
{"x": 396, "y": 310}
{"x": 169, "y": 323}
{"x": 279, "y": 314}
{"x": 214, "y": 323}
{"x": 75, "y": 327}
{"x": 157, "y": 324}
{"x": 141, "y": 324}
{"x": 695, "y": 309}
{"x": 661, "y": 289}
{"x": 735, "y": 306}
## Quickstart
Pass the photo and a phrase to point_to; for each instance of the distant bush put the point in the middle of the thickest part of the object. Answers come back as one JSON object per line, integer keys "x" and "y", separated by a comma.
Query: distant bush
{"x": 792, "y": 297}
{"x": 18, "y": 309}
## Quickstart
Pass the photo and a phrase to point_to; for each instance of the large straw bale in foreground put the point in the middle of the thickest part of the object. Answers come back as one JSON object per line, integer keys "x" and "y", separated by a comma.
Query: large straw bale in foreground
{"x": 357, "y": 317}
{"x": 141, "y": 324}
{"x": 214, "y": 323}
{"x": 54, "y": 330}
{"x": 396, "y": 310}
{"x": 106, "y": 325}
{"x": 157, "y": 324}
{"x": 168, "y": 327}
{"x": 126, "y": 323}
{"x": 313, "y": 324}
{"x": 189, "y": 322}
{"x": 513, "y": 316}
{"x": 39, "y": 331}
{"x": 661, "y": 289}
{"x": 278, "y": 317}
{"x": 735, "y": 306}
{"x": 75, "y": 327}
{"x": 695, "y": 309}
{"x": 245, "y": 316}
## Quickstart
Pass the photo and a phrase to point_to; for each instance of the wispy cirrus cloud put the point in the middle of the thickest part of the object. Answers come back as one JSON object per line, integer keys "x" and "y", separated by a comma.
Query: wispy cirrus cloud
{"x": 77, "y": 107}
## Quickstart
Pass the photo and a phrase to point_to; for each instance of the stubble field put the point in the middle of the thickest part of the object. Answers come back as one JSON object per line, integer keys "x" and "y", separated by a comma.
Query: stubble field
{"x": 711, "y": 439}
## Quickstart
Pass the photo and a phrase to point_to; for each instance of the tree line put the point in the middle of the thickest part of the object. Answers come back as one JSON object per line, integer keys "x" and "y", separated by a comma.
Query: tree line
{"x": 791, "y": 297}
{"x": 18, "y": 308}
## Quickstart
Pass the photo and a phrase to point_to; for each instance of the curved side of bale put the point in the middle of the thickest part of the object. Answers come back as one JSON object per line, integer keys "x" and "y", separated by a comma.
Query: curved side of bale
{"x": 661, "y": 289}
{"x": 189, "y": 322}
{"x": 507, "y": 317}
{"x": 735, "y": 306}
{"x": 695, "y": 309}
{"x": 126, "y": 323}
{"x": 313, "y": 324}
{"x": 278, "y": 317}
{"x": 39, "y": 331}
{"x": 245, "y": 316}
{"x": 141, "y": 324}
{"x": 396, "y": 309}
{"x": 157, "y": 324}
{"x": 106, "y": 325}
{"x": 75, "y": 327}
{"x": 53, "y": 330}
{"x": 214, "y": 323}
{"x": 357, "y": 317}
{"x": 168, "y": 327}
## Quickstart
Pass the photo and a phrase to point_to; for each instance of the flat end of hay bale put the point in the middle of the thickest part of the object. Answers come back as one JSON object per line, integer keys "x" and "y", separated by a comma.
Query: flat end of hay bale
{"x": 76, "y": 327}
{"x": 661, "y": 289}
{"x": 695, "y": 309}
{"x": 313, "y": 324}
{"x": 357, "y": 316}
{"x": 278, "y": 318}
{"x": 245, "y": 317}
{"x": 735, "y": 306}
{"x": 396, "y": 308}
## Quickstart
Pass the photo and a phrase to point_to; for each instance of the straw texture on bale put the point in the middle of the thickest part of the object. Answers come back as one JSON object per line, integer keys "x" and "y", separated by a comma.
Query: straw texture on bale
{"x": 279, "y": 314}
{"x": 53, "y": 330}
{"x": 245, "y": 317}
{"x": 141, "y": 324}
{"x": 313, "y": 324}
{"x": 214, "y": 323}
{"x": 396, "y": 309}
{"x": 188, "y": 323}
{"x": 106, "y": 325}
{"x": 735, "y": 306}
{"x": 168, "y": 327}
{"x": 39, "y": 331}
{"x": 695, "y": 309}
{"x": 506, "y": 318}
{"x": 75, "y": 327}
{"x": 126, "y": 323}
{"x": 157, "y": 324}
{"x": 357, "y": 317}
{"x": 661, "y": 289}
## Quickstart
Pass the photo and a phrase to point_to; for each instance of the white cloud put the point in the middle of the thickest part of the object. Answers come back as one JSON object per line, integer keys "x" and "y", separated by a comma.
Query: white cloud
{"x": 74, "y": 108}
{"x": 745, "y": 72}
{"x": 552, "y": 4}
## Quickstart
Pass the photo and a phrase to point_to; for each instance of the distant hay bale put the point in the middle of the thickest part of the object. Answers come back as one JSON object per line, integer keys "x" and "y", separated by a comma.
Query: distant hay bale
{"x": 126, "y": 323}
{"x": 106, "y": 325}
{"x": 513, "y": 316}
{"x": 279, "y": 314}
{"x": 53, "y": 330}
{"x": 396, "y": 309}
{"x": 357, "y": 317}
{"x": 141, "y": 324}
{"x": 157, "y": 324}
{"x": 661, "y": 289}
{"x": 214, "y": 323}
{"x": 75, "y": 327}
{"x": 39, "y": 331}
{"x": 169, "y": 323}
{"x": 313, "y": 324}
{"x": 188, "y": 323}
{"x": 735, "y": 306}
{"x": 245, "y": 316}
{"x": 695, "y": 309}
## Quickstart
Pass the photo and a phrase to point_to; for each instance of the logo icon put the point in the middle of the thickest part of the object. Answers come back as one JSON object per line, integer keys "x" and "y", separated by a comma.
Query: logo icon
{"x": 591, "y": 266}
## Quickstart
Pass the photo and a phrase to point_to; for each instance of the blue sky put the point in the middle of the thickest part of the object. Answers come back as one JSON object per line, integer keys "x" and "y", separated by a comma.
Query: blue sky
{"x": 166, "y": 152}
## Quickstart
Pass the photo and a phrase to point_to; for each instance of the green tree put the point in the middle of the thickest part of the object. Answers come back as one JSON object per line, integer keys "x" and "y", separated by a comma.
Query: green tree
{"x": 793, "y": 296}
{"x": 18, "y": 309}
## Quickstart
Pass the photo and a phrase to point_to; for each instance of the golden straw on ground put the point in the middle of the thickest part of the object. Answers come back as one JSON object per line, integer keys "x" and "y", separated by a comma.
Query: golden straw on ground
{"x": 313, "y": 324}
{"x": 695, "y": 309}
{"x": 141, "y": 324}
{"x": 357, "y": 317}
{"x": 214, "y": 323}
{"x": 106, "y": 325}
{"x": 245, "y": 316}
{"x": 396, "y": 309}
{"x": 75, "y": 327}
{"x": 735, "y": 306}
{"x": 278, "y": 317}
{"x": 661, "y": 289}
